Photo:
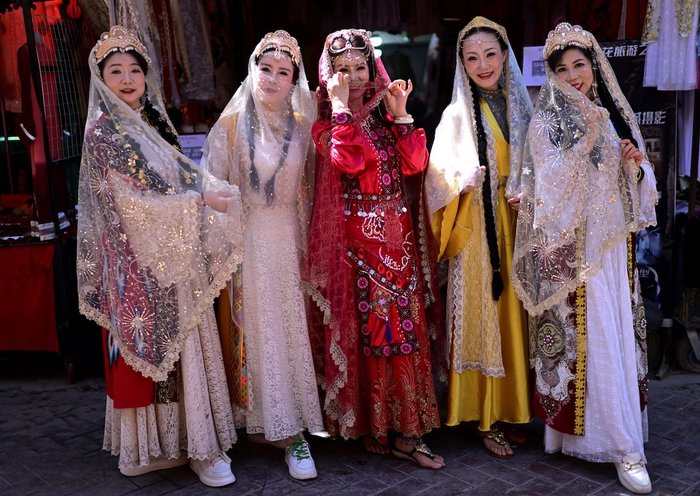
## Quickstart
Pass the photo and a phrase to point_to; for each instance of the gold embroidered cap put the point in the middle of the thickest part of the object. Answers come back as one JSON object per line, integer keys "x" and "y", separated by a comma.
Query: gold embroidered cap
{"x": 482, "y": 22}
{"x": 280, "y": 41}
{"x": 119, "y": 39}
{"x": 565, "y": 35}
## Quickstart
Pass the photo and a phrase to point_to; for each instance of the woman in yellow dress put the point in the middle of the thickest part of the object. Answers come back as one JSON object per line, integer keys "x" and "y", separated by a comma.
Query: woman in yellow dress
{"x": 473, "y": 194}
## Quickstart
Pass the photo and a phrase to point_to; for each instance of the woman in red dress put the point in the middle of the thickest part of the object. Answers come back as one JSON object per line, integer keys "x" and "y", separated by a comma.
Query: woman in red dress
{"x": 363, "y": 266}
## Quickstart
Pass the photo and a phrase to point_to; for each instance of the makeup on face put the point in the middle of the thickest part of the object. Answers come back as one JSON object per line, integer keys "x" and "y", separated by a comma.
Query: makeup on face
{"x": 275, "y": 78}
{"x": 354, "y": 65}
{"x": 124, "y": 76}
{"x": 483, "y": 59}
{"x": 576, "y": 69}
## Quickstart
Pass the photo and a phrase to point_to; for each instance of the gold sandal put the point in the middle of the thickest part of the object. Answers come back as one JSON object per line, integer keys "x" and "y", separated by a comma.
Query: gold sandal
{"x": 417, "y": 445}
{"x": 497, "y": 437}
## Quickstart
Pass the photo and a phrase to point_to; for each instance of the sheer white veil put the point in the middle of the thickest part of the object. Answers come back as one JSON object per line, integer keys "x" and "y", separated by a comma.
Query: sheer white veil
{"x": 151, "y": 256}
{"x": 246, "y": 119}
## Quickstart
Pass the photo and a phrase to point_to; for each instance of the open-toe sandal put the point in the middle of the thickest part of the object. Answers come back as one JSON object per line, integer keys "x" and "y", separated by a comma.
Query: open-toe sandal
{"x": 496, "y": 436}
{"x": 418, "y": 446}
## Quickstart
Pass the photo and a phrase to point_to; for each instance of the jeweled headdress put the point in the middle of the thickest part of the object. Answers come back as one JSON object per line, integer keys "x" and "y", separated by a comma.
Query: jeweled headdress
{"x": 119, "y": 39}
{"x": 280, "y": 41}
{"x": 482, "y": 22}
{"x": 565, "y": 35}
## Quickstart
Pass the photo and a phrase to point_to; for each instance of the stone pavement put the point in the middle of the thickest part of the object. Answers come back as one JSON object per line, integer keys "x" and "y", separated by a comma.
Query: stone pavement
{"x": 51, "y": 434}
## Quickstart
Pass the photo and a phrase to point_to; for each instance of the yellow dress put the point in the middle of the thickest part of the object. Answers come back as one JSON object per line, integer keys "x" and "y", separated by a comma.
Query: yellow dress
{"x": 490, "y": 344}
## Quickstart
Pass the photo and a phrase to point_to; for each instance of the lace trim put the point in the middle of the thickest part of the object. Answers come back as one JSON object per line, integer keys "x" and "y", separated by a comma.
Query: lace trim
{"x": 197, "y": 317}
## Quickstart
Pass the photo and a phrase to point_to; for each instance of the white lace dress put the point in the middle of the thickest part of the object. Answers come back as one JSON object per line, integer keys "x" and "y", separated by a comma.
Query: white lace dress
{"x": 201, "y": 423}
{"x": 283, "y": 397}
{"x": 670, "y": 62}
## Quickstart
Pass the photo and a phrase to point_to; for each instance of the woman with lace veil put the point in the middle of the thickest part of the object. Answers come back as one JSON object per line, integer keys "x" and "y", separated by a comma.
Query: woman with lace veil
{"x": 362, "y": 266}
{"x": 587, "y": 188}
{"x": 473, "y": 193}
{"x": 157, "y": 240}
{"x": 262, "y": 144}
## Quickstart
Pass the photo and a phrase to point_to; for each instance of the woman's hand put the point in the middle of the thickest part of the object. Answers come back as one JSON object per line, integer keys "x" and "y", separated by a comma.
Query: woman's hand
{"x": 397, "y": 95}
{"x": 218, "y": 200}
{"x": 339, "y": 91}
{"x": 630, "y": 152}
{"x": 514, "y": 202}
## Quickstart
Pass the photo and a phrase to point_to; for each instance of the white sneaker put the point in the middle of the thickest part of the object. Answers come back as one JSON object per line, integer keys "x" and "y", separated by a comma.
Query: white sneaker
{"x": 155, "y": 463}
{"x": 298, "y": 458}
{"x": 633, "y": 475}
{"x": 214, "y": 472}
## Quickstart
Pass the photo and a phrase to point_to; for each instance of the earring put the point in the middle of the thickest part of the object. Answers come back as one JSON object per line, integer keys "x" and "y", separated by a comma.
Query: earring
{"x": 594, "y": 89}
{"x": 594, "y": 86}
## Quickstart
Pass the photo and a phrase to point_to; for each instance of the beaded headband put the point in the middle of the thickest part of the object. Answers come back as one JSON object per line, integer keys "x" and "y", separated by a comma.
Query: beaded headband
{"x": 347, "y": 35}
{"x": 282, "y": 42}
{"x": 119, "y": 39}
{"x": 482, "y": 22}
{"x": 565, "y": 35}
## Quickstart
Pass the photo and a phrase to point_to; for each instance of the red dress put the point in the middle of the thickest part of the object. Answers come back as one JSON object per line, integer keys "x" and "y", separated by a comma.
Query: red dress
{"x": 394, "y": 382}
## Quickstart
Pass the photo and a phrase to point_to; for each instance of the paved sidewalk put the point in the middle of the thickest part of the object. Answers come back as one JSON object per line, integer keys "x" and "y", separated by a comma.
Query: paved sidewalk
{"x": 51, "y": 434}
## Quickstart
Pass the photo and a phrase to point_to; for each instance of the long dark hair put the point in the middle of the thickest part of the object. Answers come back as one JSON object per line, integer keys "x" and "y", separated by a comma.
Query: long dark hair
{"x": 621, "y": 126}
{"x": 489, "y": 214}
{"x": 482, "y": 148}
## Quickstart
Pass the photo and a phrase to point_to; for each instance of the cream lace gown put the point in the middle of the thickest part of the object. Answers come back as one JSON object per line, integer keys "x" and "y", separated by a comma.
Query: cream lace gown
{"x": 283, "y": 397}
{"x": 201, "y": 423}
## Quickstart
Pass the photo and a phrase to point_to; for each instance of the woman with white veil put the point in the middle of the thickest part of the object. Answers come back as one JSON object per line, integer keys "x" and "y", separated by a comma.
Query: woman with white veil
{"x": 587, "y": 188}
{"x": 157, "y": 240}
{"x": 262, "y": 143}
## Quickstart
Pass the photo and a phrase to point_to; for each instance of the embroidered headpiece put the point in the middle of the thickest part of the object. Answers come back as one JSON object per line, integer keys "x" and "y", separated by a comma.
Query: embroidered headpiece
{"x": 280, "y": 41}
{"x": 119, "y": 39}
{"x": 565, "y": 35}
{"x": 348, "y": 36}
{"x": 482, "y": 22}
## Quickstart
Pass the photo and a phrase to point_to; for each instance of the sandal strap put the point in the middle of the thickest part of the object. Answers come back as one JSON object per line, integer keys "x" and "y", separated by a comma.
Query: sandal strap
{"x": 419, "y": 446}
{"x": 496, "y": 436}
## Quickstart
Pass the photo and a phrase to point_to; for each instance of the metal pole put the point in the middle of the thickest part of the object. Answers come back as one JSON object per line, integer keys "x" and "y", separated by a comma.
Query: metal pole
{"x": 695, "y": 142}
{"x": 7, "y": 147}
{"x": 59, "y": 283}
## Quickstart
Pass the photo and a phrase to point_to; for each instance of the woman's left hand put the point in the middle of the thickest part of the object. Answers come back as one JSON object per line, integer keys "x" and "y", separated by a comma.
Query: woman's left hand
{"x": 514, "y": 202}
{"x": 396, "y": 96}
{"x": 630, "y": 152}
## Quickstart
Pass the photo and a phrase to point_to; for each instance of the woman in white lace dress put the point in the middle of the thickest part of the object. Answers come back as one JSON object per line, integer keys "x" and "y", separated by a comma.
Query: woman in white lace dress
{"x": 262, "y": 143}
{"x": 156, "y": 243}
{"x": 587, "y": 188}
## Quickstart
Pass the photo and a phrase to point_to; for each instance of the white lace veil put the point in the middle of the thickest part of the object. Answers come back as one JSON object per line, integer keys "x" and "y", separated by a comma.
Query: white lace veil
{"x": 247, "y": 128}
{"x": 454, "y": 157}
{"x": 571, "y": 175}
{"x": 151, "y": 257}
